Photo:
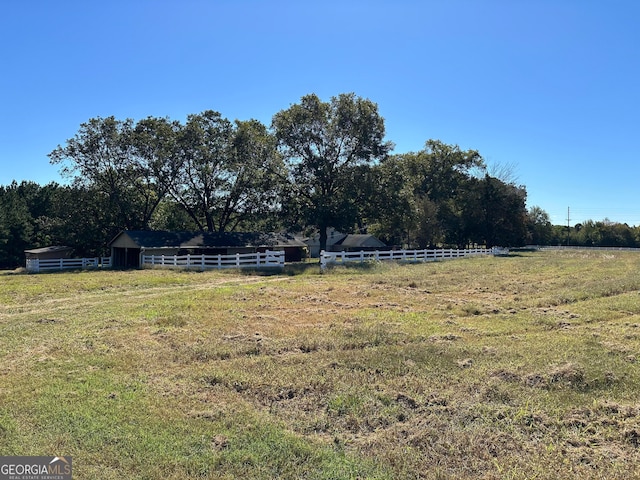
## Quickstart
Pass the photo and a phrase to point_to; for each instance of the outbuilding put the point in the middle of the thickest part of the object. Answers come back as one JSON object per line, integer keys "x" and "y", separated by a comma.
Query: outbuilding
{"x": 129, "y": 245}
{"x": 47, "y": 253}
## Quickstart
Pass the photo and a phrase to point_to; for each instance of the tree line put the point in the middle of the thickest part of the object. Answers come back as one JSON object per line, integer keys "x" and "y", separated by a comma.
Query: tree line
{"x": 319, "y": 164}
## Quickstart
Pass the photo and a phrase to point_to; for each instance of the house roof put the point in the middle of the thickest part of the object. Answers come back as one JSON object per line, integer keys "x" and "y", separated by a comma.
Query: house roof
{"x": 359, "y": 240}
{"x": 351, "y": 240}
{"x": 164, "y": 239}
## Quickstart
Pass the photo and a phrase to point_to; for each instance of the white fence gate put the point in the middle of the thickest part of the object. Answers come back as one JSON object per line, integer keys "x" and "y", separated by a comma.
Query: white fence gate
{"x": 203, "y": 262}
{"x": 327, "y": 258}
{"x": 36, "y": 265}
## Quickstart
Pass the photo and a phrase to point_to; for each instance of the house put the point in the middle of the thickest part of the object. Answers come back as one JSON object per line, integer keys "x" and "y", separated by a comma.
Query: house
{"x": 129, "y": 245}
{"x": 46, "y": 253}
{"x": 341, "y": 242}
{"x": 357, "y": 242}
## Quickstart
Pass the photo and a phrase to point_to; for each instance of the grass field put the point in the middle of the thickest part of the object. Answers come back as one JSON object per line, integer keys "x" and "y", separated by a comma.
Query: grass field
{"x": 514, "y": 367}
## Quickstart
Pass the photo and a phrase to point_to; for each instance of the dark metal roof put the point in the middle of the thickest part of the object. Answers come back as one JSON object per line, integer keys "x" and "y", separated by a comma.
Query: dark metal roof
{"x": 163, "y": 239}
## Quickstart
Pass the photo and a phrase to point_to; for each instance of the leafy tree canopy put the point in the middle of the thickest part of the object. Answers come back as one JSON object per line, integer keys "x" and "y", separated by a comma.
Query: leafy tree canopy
{"x": 322, "y": 143}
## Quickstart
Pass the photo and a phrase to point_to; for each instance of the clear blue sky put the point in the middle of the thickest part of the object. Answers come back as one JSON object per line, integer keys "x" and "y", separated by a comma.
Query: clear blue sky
{"x": 550, "y": 87}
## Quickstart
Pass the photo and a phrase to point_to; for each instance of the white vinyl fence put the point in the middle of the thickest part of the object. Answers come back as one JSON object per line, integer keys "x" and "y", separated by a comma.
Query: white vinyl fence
{"x": 203, "y": 262}
{"x": 37, "y": 265}
{"x": 330, "y": 258}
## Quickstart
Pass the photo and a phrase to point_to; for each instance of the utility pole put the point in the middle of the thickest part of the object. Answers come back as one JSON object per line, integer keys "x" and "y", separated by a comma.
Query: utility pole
{"x": 568, "y": 225}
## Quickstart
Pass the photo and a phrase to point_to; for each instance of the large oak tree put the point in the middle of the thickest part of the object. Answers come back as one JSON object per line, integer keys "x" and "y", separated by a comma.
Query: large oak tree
{"x": 103, "y": 157}
{"x": 323, "y": 142}
{"x": 229, "y": 172}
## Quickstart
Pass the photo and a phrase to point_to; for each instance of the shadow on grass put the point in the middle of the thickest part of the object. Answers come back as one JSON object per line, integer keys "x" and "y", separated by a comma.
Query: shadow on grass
{"x": 366, "y": 266}
{"x": 17, "y": 271}
{"x": 290, "y": 269}
{"x": 309, "y": 268}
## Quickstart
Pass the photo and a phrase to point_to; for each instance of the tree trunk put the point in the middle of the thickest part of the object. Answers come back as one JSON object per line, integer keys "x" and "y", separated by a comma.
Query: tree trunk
{"x": 210, "y": 224}
{"x": 323, "y": 236}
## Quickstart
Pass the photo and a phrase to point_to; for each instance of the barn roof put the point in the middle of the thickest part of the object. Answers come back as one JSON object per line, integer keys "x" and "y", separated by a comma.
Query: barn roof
{"x": 164, "y": 239}
{"x": 51, "y": 249}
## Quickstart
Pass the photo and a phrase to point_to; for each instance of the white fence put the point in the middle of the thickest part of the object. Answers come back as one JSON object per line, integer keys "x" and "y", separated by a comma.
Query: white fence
{"x": 202, "y": 262}
{"x": 327, "y": 258}
{"x": 260, "y": 260}
{"x": 36, "y": 265}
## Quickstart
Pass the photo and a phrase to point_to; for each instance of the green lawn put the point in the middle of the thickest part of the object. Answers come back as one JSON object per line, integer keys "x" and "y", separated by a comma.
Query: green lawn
{"x": 497, "y": 368}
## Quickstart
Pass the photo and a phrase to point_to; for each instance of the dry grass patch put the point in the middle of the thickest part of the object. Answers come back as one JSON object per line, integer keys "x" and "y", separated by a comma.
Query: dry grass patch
{"x": 516, "y": 367}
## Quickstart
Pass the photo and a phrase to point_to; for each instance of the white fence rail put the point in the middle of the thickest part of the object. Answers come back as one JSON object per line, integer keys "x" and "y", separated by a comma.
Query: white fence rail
{"x": 37, "y": 265}
{"x": 203, "y": 262}
{"x": 330, "y": 258}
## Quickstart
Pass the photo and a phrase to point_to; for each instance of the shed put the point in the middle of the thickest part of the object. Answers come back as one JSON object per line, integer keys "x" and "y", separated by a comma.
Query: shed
{"x": 46, "y": 253}
{"x": 128, "y": 246}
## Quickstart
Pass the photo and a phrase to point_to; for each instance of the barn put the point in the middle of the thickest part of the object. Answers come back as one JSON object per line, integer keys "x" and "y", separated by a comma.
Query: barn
{"x": 129, "y": 245}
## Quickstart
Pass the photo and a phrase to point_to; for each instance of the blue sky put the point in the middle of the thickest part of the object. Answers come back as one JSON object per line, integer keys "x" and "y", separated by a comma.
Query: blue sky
{"x": 549, "y": 87}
